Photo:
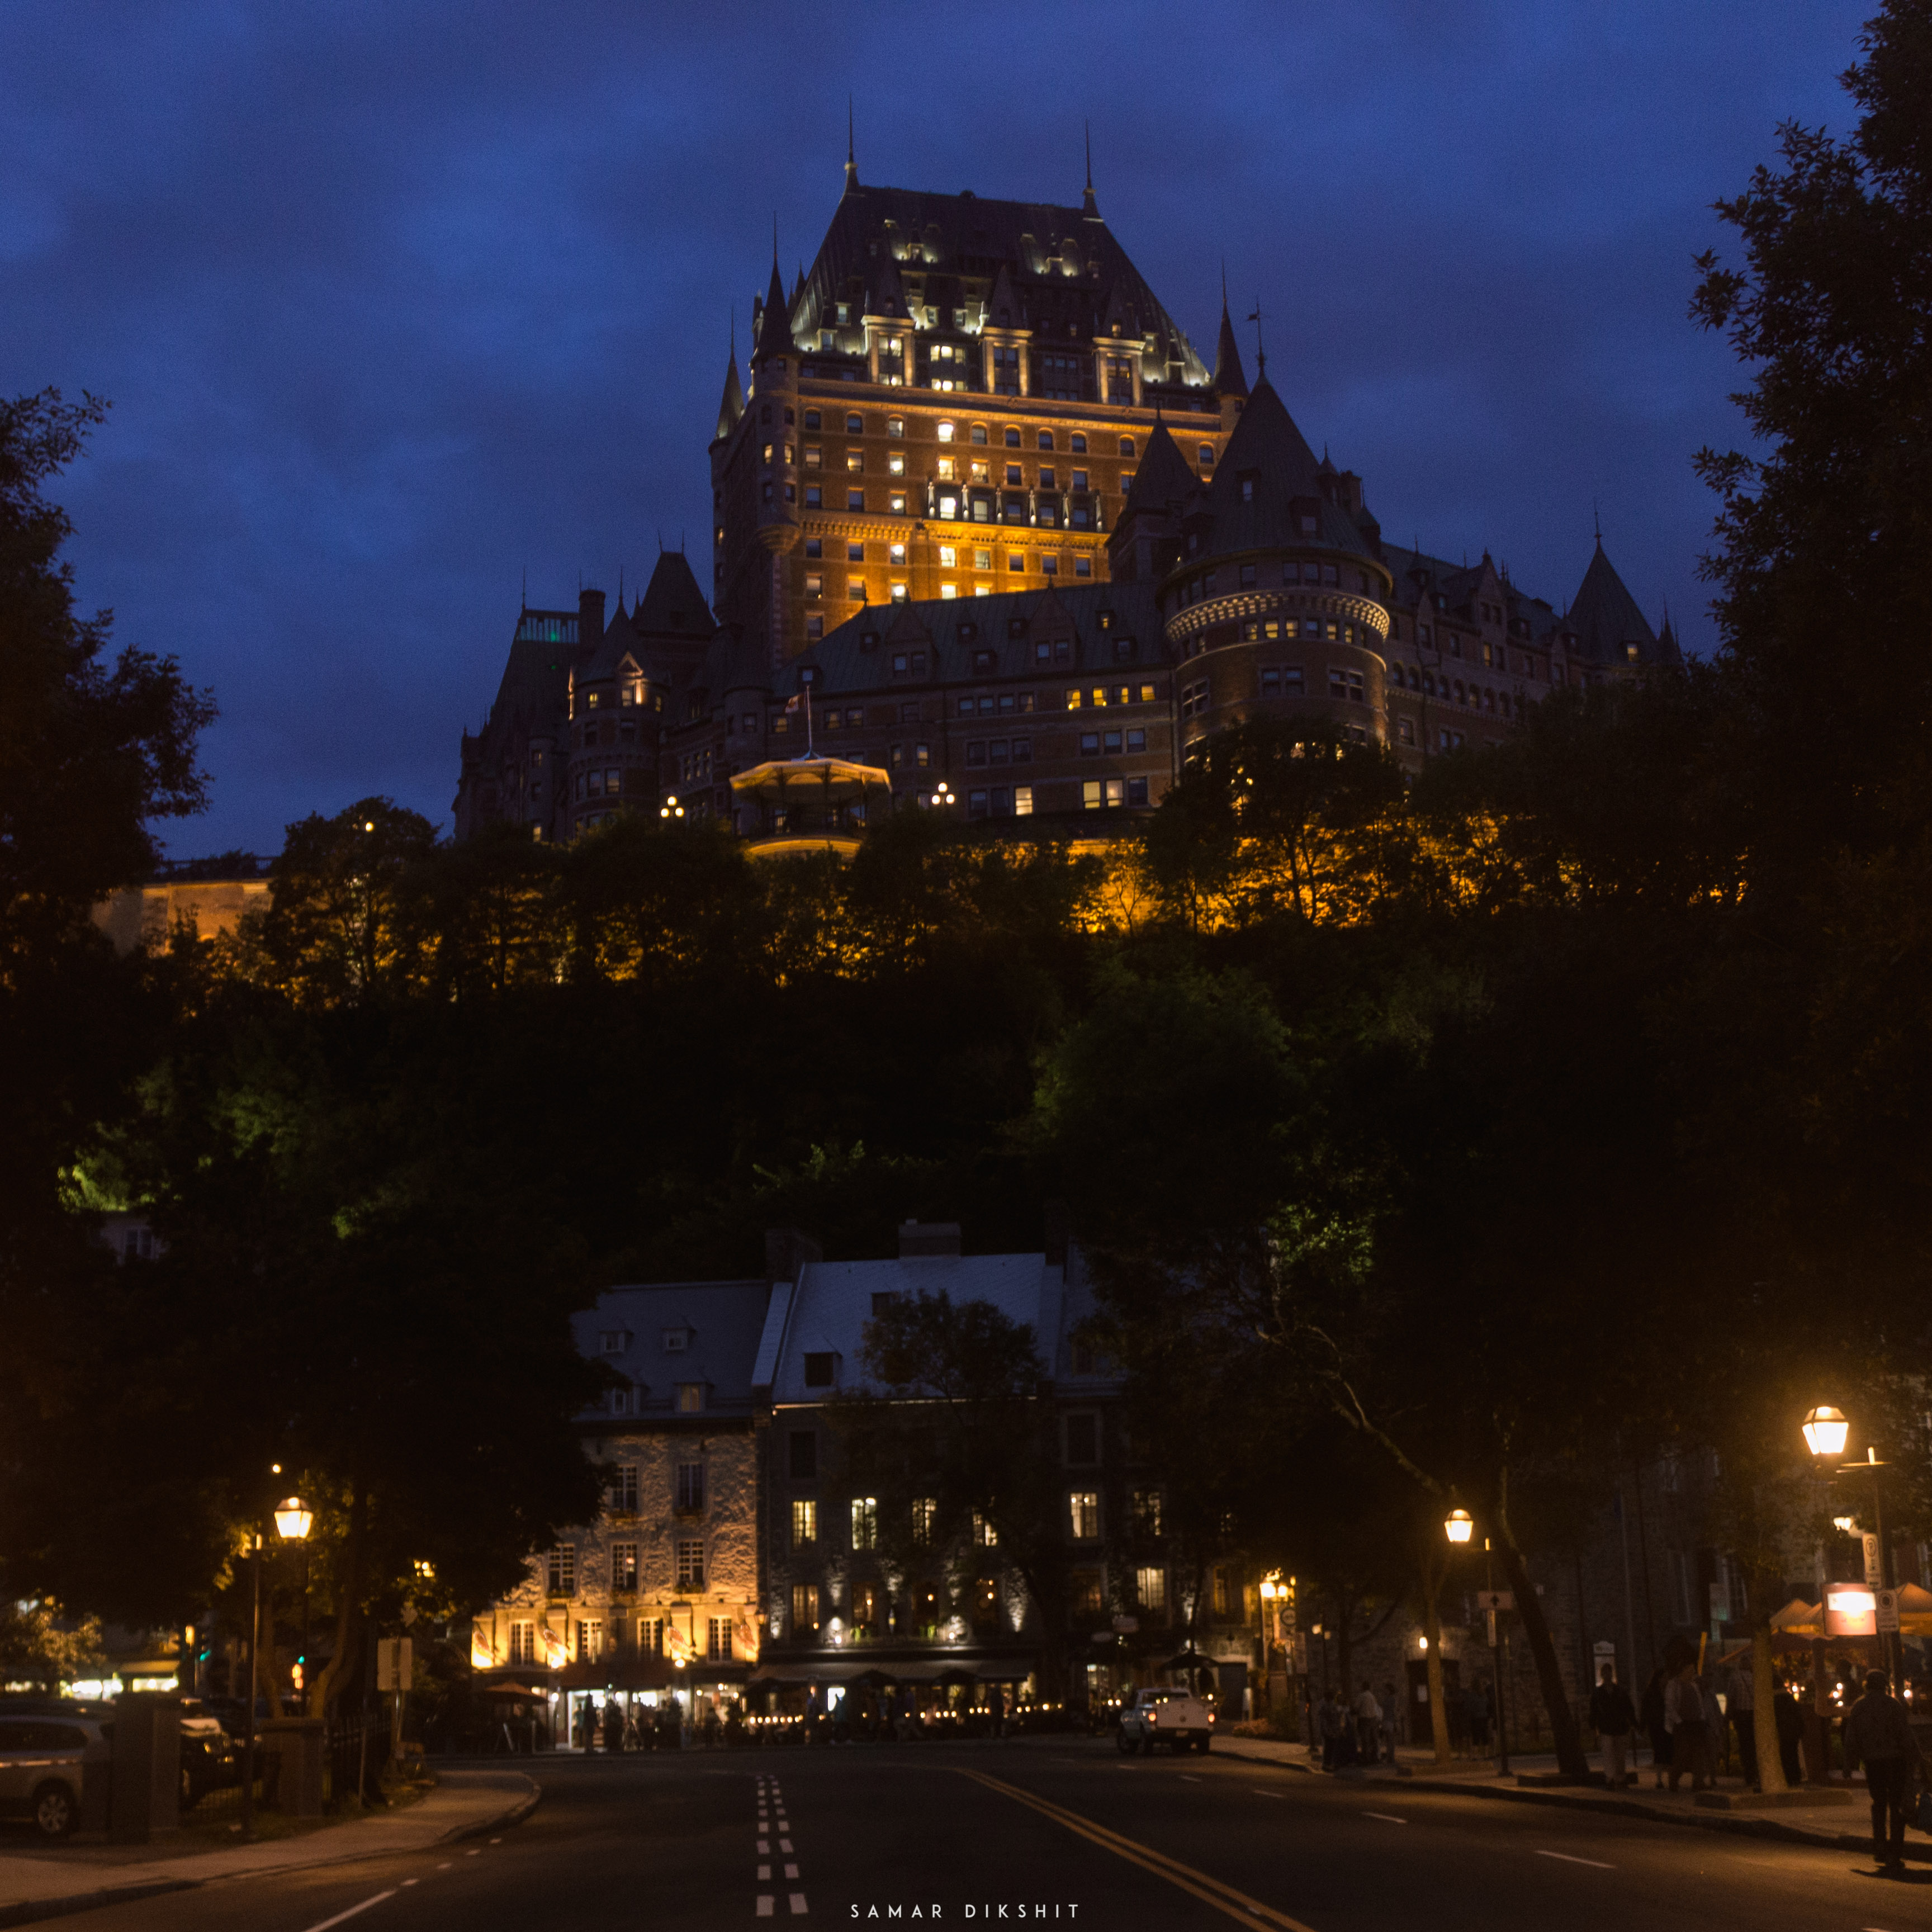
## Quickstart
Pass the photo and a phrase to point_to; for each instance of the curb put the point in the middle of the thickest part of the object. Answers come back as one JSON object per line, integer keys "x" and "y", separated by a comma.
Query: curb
{"x": 31, "y": 1911}
{"x": 1752, "y": 1826}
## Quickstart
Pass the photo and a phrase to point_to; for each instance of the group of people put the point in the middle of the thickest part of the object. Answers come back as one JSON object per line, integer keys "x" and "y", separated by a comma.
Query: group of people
{"x": 1362, "y": 1733}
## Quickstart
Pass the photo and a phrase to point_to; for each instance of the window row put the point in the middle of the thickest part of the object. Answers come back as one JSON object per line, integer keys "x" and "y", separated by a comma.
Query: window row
{"x": 1011, "y": 436}
{"x": 1453, "y": 691}
{"x": 1110, "y": 794}
{"x": 985, "y": 704}
{"x": 999, "y": 751}
{"x": 561, "y": 1577}
{"x": 1111, "y": 744}
{"x": 1313, "y": 630}
{"x": 1098, "y": 697}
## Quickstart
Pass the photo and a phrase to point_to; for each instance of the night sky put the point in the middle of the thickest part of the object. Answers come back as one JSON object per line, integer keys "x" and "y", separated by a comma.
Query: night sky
{"x": 395, "y": 301}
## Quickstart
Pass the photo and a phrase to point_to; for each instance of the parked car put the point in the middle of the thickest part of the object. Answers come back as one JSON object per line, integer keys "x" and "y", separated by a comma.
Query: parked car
{"x": 43, "y": 1755}
{"x": 1157, "y": 1715}
{"x": 211, "y": 1760}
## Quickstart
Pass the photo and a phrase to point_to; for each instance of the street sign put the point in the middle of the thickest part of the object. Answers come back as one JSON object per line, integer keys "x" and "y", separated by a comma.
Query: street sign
{"x": 394, "y": 1664}
{"x": 1495, "y": 1600}
{"x": 1887, "y": 1607}
{"x": 1874, "y": 1562}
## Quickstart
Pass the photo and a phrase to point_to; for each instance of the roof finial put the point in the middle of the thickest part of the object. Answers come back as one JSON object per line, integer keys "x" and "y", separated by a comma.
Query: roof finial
{"x": 851, "y": 161}
{"x": 775, "y": 240}
{"x": 1088, "y": 205}
{"x": 526, "y": 589}
{"x": 1260, "y": 353}
{"x": 1596, "y": 519}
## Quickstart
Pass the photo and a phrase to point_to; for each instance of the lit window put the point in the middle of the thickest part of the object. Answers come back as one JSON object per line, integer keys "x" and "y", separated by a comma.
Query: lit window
{"x": 898, "y": 593}
{"x": 1147, "y": 1512}
{"x": 865, "y": 1522}
{"x": 804, "y": 1609}
{"x": 563, "y": 1569}
{"x": 948, "y": 556}
{"x": 1084, "y": 1515}
{"x": 804, "y": 1521}
{"x": 1150, "y": 1591}
{"x": 946, "y": 432}
{"x": 947, "y": 591}
{"x": 690, "y": 1398}
{"x": 985, "y": 1536}
{"x": 690, "y": 1565}
{"x": 1022, "y": 801}
{"x": 623, "y": 1566}
{"x": 925, "y": 1516}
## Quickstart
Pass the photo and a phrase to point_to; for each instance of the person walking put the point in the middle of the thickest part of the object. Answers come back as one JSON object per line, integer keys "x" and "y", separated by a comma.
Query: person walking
{"x": 1389, "y": 1709}
{"x": 1333, "y": 1719}
{"x": 1650, "y": 1716}
{"x": 1368, "y": 1723}
{"x": 1613, "y": 1719}
{"x": 1689, "y": 1729}
{"x": 1741, "y": 1712}
{"x": 1790, "y": 1722}
{"x": 1879, "y": 1736}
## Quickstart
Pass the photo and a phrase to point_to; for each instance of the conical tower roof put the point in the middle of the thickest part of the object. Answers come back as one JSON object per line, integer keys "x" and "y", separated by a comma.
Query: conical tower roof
{"x": 775, "y": 324}
{"x": 732, "y": 405}
{"x": 1606, "y": 619}
{"x": 1229, "y": 379}
{"x": 1163, "y": 482}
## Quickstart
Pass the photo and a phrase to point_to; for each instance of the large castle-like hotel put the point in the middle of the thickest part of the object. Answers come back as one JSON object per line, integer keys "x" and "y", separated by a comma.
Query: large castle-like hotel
{"x": 985, "y": 509}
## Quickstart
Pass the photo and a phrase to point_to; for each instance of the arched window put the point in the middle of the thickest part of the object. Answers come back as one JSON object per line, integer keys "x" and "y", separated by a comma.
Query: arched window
{"x": 946, "y": 432}
{"x": 1207, "y": 456}
{"x": 855, "y": 425}
{"x": 1046, "y": 439}
{"x": 1012, "y": 439}
{"x": 1127, "y": 445}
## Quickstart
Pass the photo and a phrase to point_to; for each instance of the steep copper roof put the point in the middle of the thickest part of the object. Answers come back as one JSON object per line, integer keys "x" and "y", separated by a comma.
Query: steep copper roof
{"x": 1267, "y": 468}
{"x": 1229, "y": 379}
{"x": 1605, "y": 617}
{"x": 1057, "y": 271}
{"x": 673, "y": 602}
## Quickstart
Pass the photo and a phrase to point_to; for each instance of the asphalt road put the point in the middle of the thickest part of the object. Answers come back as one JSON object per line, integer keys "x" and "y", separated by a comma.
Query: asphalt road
{"x": 1050, "y": 1833}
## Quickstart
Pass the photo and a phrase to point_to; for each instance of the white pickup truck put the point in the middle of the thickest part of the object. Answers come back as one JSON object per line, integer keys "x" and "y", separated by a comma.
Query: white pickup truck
{"x": 1160, "y": 1716}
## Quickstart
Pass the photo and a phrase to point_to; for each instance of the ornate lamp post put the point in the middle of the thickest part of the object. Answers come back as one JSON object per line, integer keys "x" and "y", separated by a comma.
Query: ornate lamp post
{"x": 1826, "y": 1431}
{"x": 293, "y": 1521}
{"x": 1459, "y": 1527}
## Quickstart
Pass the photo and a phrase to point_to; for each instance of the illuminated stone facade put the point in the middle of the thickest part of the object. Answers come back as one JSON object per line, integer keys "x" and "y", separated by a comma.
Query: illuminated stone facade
{"x": 984, "y": 499}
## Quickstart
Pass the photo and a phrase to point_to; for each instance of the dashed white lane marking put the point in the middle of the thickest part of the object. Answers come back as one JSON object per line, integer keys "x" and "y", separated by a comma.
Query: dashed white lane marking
{"x": 798, "y": 1904}
{"x": 1387, "y": 1817}
{"x": 1185, "y": 1778}
{"x": 1259, "y": 1792}
{"x": 495, "y": 1841}
{"x": 408, "y": 1881}
{"x": 1596, "y": 1865}
{"x": 323, "y": 1925}
{"x": 444, "y": 1865}
{"x": 472, "y": 1855}
{"x": 765, "y": 1902}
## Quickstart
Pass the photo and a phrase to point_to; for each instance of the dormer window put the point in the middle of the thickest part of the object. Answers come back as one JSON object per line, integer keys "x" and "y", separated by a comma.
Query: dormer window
{"x": 676, "y": 1340}
{"x": 1247, "y": 488}
{"x": 1207, "y": 456}
{"x": 613, "y": 1342}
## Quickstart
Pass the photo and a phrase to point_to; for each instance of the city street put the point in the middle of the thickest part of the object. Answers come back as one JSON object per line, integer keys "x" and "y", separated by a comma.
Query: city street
{"x": 1051, "y": 1830}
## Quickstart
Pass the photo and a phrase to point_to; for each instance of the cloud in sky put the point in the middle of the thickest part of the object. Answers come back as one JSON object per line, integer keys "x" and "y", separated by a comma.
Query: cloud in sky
{"x": 395, "y": 302}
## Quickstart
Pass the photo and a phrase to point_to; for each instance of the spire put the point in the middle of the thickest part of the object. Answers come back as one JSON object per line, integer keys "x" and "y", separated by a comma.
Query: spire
{"x": 774, "y": 326}
{"x": 1089, "y": 206}
{"x": 1229, "y": 379}
{"x": 798, "y": 285}
{"x": 851, "y": 163}
{"x": 732, "y": 406}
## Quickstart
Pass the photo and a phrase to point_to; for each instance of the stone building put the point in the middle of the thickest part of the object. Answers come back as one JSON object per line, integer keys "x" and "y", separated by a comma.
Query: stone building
{"x": 986, "y": 502}
{"x": 659, "y": 1597}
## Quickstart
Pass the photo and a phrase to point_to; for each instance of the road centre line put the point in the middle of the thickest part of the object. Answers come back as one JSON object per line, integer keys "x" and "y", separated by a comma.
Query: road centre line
{"x": 1387, "y": 1817}
{"x": 1256, "y": 1791}
{"x": 326, "y": 1923}
{"x": 1597, "y": 1863}
{"x": 1224, "y": 1897}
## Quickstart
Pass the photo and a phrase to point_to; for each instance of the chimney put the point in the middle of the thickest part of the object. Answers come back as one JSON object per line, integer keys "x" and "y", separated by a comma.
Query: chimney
{"x": 788, "y": 1252}
{"x": 919, "y": 1238}
{"x": 590, "y": 616}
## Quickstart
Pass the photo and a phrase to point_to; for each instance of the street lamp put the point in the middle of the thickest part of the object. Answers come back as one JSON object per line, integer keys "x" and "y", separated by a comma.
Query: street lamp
{"x": 1459, "y": 1527}
{"x": 294, "y": 1520}
{"x": 943, "y": 793}
{"x": 670, "y": 808}
{"x": 1825, "y": 1429}
{"x": 1826, "y": 1432}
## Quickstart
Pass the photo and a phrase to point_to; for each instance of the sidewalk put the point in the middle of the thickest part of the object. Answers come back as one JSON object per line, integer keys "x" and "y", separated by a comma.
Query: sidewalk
{"x": 1837, "y": 1818}
{"x": 36, "y": 1884}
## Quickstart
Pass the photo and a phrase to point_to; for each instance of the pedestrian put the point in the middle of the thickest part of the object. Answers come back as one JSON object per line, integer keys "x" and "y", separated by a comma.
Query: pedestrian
{"x": 1368, "y": 1723}
{"x": 613, "y": 1726}
{"x": 1790, "y": 1721}
{"x": 1333, "y": 1720}
{"x": 1878, "y": 1735}
{"x": 1651, "y": 1715}
{"x": 1741, "y": 1711}
{"x": 1389, "y": 1708}
{"x": 1614, "y": 1718}
{"x": 1691, "y": 1738}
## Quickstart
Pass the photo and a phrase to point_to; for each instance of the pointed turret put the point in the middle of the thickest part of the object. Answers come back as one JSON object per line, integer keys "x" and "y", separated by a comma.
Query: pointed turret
{"x": 733, "y": 406}
{"x": 851, "y": 162}
{"x": 1229, "y": 379}
{"x": 774, "y": 323}
{"x": 1668, "y": 650}
{"x": 1088, "y": 206}
{"x": 1609, "y": 627}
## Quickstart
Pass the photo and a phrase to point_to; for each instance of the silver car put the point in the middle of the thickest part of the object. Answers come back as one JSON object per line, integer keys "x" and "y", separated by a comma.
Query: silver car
{"x": 42, "y": 1761}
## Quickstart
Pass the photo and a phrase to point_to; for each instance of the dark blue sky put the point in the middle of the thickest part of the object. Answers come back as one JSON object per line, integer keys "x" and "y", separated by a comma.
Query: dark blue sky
{"x": 393, "y": 301}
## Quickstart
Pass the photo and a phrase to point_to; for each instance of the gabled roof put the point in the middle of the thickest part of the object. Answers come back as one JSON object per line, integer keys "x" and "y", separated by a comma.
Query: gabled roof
{"x": 701, "y": 1331}
{"x": 619, "y": 641}
{"x": 1605, "y": 620}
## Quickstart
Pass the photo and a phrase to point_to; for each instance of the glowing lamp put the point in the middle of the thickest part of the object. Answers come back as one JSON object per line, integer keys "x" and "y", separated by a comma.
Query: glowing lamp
{"x": 1458, "y": 1526}
{"x": 293, "y": 1518}
{"x": 1845, "y": 1524}
{"x": 1825, "y": 1429}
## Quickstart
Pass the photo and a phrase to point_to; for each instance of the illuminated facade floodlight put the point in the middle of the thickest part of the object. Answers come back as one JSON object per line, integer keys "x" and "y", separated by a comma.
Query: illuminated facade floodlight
{"x": 1825, "y": 1429}
{"x": 1458, "y": 1526}
{"x": 293, "y": 1518}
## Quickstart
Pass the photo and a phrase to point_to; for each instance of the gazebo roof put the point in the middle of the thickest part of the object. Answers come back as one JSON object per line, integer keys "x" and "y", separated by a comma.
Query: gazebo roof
{"x": 827, "y": 779}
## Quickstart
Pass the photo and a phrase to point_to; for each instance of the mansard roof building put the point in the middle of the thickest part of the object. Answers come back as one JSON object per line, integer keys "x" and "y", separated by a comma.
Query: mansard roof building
{"x": 986, "y": 511}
